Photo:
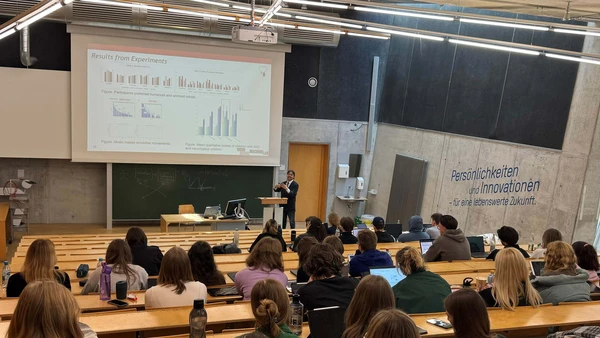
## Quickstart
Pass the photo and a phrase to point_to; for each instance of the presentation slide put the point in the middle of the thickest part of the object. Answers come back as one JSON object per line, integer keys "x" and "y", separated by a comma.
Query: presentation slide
{"x": 163, "y": 101}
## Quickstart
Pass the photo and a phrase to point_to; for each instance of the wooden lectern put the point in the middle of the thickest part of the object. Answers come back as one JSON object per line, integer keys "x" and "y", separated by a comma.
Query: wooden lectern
{"x": 271, "y": 209}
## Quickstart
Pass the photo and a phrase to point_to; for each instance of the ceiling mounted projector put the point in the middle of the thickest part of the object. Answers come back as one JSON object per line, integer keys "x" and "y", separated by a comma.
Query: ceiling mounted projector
{"x": 250, "y": 34}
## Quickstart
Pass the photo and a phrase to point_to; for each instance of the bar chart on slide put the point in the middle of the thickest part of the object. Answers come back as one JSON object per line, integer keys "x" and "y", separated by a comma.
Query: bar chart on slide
{"x": 123, "y": 109}
{"x": 183, "y": 82}
{"x": 151, "y": 111}
{"x": 220, "y": 122}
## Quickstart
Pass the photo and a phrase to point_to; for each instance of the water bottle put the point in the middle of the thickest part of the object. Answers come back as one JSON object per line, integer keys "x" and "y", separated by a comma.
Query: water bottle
{"x": 297, "y": 313}
{"x": 491, "y": 277}
{"x": 198, "y": 318}
{"x": 100, "y": 260}
{"x": 337, "y": 232}
{"x": 236, "y": 237}
{"x": 105, "y": 282}
{"x": 5, "y": 274}
{"x": 493, "y": 243}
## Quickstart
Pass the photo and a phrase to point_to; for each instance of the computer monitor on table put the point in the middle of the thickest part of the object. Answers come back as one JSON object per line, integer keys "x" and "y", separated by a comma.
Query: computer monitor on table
{"x": 233, "y": 207}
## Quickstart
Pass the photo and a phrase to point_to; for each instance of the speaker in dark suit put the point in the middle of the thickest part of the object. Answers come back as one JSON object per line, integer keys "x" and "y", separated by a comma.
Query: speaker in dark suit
{"x": 289, "y": 190}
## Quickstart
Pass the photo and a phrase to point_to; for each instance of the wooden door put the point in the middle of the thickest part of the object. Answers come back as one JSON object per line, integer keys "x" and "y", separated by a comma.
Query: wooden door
{"x": 311, "y": 164}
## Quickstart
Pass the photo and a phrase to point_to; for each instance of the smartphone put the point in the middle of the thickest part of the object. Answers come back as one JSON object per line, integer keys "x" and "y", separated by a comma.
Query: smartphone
{"x": 421, "y": 331}
{"x": 118, "y": 303}
{"x": 440, "y": 323}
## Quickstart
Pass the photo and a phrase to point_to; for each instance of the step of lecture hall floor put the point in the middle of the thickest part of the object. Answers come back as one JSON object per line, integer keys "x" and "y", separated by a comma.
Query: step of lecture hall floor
{"x": 68, "y": 228}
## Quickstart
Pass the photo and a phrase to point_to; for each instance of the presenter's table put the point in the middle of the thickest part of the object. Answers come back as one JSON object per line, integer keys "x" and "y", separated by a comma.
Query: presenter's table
{"x": 214, "y": 224}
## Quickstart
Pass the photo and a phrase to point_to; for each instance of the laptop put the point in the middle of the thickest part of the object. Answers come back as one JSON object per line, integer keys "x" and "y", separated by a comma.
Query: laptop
{"x": 362, "y": 226}
{"x": 327, "y": 322}
{"x": 391, "y": 274}
{"x": 152, "y": 282}
{"x": 425, "y": 245}
{"x": 477, "y": 247}
{"x": 394, "y": 230}
{"x": 536, "y": 267}
{"x": 231, "y": 275}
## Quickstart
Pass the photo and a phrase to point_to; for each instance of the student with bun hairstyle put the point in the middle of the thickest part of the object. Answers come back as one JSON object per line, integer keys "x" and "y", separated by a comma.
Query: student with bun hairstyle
{"x": 512, "y": 286}
{"x": 47, "y": 310}
{"x": 271, "y": 308}
{"x": 392, "y": 323}
{"x": 265, "y": 261}
{"x": 561, "y": 280}
{"x": 203, "y": 264}
{"x": 468, "y": 314}
{"x": 421, "y": 291}
{"x": 549, "y": 236}
{"x": 176, "y": 285}
{"x": 587, "y": 259}
{"x": 118, "y": 257}
{"x": 39, "y": 265}
{"x": 372, "y": 295}
{"x": 271, "y": 229}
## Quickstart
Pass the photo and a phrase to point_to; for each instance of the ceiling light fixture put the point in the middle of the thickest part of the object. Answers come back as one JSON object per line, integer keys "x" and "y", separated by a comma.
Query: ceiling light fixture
{"x": 124, "y": 4}
{"x": 504, "y": 24}
{"x": 412, "y": 35}
{"x": 495, "y": 47}
{"x": 208, "y": 2}
{"x": 329, "y": 22}
{"x": 313, "y": 29}
{"x": 7, "y": 33}
{"x": 572, "y": 58}
{"x": 369, "y": 36}
{"x": 317, "y": 4}
{"x": 410, "y": 14}
{"x": 571, "y": 31}
{"x": 38, "y": 16}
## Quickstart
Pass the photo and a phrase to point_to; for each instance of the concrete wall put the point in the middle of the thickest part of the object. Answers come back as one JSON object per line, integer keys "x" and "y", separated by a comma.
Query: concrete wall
{"x": 344, "y": 138}
{"x": 65, "y": 192}
{"x": 562, "y": 175}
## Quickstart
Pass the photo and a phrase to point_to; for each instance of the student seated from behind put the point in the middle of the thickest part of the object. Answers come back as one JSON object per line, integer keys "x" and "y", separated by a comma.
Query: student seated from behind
{"x": 271, "y": 308}
{"x": 176, "y": 285}
{"x": 270, "y": 230}
{"x": 372, "y": 295}
{"x": 415, "y": 231}
{"x": 326, "y": 287}
{"x": 392, "y": 323}
{"x": 333, "y": 223}
{"x": 468, "y": 315}
{"x": 204, "y": 268}
{"x": 434, "y": 231}
{"x": 369, "y": 255}
{"x": 421, "y": 291}
{"x": 265, "y": 261}
{"x": 561, "y": 281}
{"x": 587, "y": 259}
{"x": 512, "y": 286}
{"x": 118, "y": 257}
{"x": 346, "y": 236}
{"x": 46, "y": 309}
{"x": 304, "y": 247}
{"x": 510, "y": 239}
{"x": 379, "y": 228}
{"x": 452, "y": 245}
{"x": 148, "y": 257}
{"x": 39, "y": 265}
{"x": 314, "y": 228}
{"x": 337, "y": 244}
{"x": 549, "y": 236}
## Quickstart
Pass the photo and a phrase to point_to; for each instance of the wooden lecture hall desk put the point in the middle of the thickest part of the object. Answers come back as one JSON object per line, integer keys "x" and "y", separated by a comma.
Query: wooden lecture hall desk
{"x": 214, "y": 224}
{"x": 175, "y": 320}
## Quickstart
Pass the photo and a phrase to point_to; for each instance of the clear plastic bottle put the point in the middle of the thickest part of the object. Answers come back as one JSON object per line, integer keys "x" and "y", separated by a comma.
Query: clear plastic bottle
{"x": 490, "y": 278}
{"x": 198, "y": 319}
{"x": 493, "y": 243}
{"x": 236, "y": 237}
{"x": 337, "y": 232}
{"x": 297, "y": 313}
{"x": 5, "y": 274}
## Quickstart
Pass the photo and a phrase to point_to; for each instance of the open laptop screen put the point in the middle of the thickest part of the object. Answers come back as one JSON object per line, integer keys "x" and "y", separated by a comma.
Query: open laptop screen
{"x": 425, "y": 245}
{"x": 476, "y": 243}
{"x": 390, "y": 273}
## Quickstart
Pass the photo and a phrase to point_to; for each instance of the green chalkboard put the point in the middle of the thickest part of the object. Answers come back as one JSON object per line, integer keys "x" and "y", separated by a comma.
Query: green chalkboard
{"x": 145, "y": 191}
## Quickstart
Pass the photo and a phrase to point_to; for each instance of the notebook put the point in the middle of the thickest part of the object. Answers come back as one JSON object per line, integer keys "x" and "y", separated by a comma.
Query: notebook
{"x": 425, "y": 245}
{"x": 390, "y": 273}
